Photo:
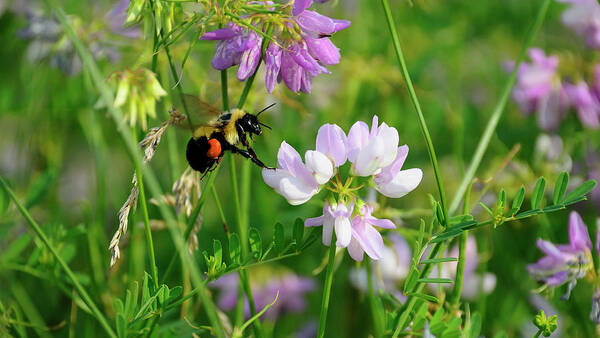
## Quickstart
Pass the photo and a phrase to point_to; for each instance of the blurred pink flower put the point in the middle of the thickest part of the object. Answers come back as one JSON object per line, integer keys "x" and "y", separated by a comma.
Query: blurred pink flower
{"x": 292, "y": 292}
{"x": 585, "y": 103}
{"x": 565, "y": 263}
{"x": 538, "y": 89}
{"x": 583, "y": 16}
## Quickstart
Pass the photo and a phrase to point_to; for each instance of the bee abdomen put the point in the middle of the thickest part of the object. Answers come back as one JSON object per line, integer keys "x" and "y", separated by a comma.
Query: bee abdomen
{"x": 196, "y": 154}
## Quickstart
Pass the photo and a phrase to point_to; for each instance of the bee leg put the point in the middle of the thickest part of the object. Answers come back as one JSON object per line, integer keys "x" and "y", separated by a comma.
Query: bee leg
{"x": 250, "y": 154}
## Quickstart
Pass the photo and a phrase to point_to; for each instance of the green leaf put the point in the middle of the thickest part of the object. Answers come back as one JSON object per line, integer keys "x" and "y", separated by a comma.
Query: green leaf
{"x": 460, "y": 219}
{"x": 255, "y": 243}
{"x": 15, "y": 248}
{"x": 234, "y": 248}
{"x": 39, "y": 188}
{"x": 501, "y": 199}
{"x": 174, "y": 294}
{"x": 439, "y": 214}
{"x": 312, "y": 237}
{"x": 453, "y": 328}
{"x": 146, "y": 288}
{"x": 474, "y": 326}
{"x": 426, "y": 297}
{"x": 538, "y": 193}
{"x": 4, "y": 202}
{"x": 485, "y": 207}
{"x": 120, "y": 320}
{"x": 411, "y": 279}
{"x": 528, "y": 213}
{"x": 279, "y": 238}
{"x": 560, "y": 187}
{"x": 218, "y": 253}
{"x": 437, "y": 325}
{"x": 450, "y": 233}
{"x": 439, "y": 260}
{"x": 580, "y": 191}
{"x": 435, "y": 280}
{"x": 517, "y": 201}
{"x": 298, "y": 233}
{"x": 421, "y": 313}
{"x": 551, "y": 208}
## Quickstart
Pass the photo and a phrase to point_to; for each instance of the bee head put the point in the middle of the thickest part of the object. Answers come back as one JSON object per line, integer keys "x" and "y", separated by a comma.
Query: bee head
{"x": 250, "y": 124}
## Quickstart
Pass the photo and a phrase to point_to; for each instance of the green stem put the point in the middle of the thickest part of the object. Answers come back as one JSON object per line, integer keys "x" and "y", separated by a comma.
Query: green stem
{"x": 148, "y": 231}
{"x": 224, "y": 91}
{"x": 462, "y": 249}
{"x": 82, "y": 293}
{"x": 243, "y": 230}
{"x": 375, "y": 308}
{"x": 498, "y": 110}
{"x": 415, "y": 101}
{"x": 192, "y": 220}
{"x": 327, "y": 288}
{"x": 537, "y": 334}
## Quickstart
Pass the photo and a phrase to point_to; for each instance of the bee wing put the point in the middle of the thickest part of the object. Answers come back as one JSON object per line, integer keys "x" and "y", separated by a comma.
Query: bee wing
{"x": 199, "y": 112}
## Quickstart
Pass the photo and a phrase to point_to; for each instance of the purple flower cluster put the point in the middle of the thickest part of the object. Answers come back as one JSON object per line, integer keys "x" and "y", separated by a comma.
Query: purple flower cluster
{"x": 583, "y": 16}
{"x": 372, "y": 153}
{"x": 565, "y": 263}
{"x": 291, "y": 288}
{"x": 540, "y": 90}
{"x": 295, "y": 60}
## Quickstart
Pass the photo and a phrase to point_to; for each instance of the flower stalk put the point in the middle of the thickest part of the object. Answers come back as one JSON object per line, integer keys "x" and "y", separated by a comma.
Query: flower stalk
{"x": 327, "y": 288}
{"x": 462, "y": 249}
{"x": 146, "y": 218}
{"x": 375, "y": 306}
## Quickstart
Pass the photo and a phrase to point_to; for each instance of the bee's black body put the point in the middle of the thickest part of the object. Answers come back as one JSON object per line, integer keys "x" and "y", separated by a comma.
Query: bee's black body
{"x": 210, "y": 142}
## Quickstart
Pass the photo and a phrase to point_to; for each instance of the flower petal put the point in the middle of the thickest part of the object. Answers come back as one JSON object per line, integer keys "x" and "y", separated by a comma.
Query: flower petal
{"x": 291, "y": 72}
{"x": 272, "y": 65}
{"x": 368, "y": 237}
{"x": 403, "y": 183}
{"x": 357, "y": 139}
{"x": 355, "y": 251}
{"x": 300, "y": 6}
{"x": 343, "y": 231}
{"x": 331, "y": 141}
{"x": 327, "y": 231}
{"x": 320, "y": 165}
{"x": 382, "y": 223}
{"x": 323, "y": 50}
{"x": 250, "y": 57}
{"x": 314, "y": 221}
{"x": 578, "y": 233}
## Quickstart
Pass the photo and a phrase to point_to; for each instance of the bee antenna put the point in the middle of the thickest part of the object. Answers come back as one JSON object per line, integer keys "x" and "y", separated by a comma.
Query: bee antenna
{"x": 264, "y": 125}
{"x": 269, "y": 106}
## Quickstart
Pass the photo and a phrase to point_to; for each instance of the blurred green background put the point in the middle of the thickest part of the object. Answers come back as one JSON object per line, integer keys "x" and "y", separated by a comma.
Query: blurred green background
{"x": 65, "y": 158}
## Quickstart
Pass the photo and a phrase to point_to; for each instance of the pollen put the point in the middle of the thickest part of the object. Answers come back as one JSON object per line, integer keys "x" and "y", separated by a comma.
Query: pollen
{"x": 214, "y": 149}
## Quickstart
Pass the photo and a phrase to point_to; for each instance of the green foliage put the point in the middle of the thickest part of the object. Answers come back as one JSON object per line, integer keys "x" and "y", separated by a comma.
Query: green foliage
{"x": 133, "y": 312}
{"x": 545, "y": 325}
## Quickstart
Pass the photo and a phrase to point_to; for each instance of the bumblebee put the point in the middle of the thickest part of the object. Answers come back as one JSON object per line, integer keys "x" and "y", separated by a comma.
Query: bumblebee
{"x": 226, "y": 131}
